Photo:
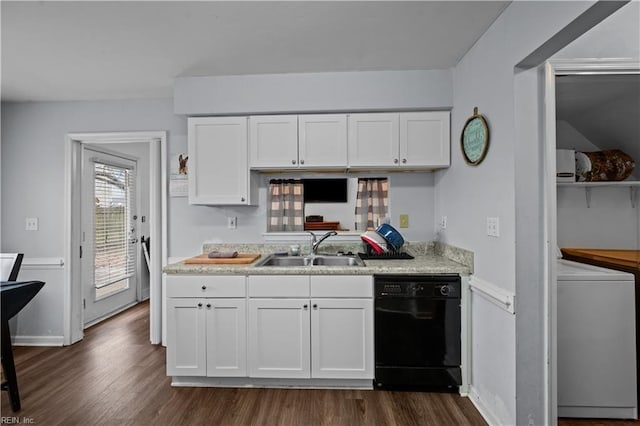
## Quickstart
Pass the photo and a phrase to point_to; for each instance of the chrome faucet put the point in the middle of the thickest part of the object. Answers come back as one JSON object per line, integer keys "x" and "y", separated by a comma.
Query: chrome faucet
{"x": 316, "y": 242}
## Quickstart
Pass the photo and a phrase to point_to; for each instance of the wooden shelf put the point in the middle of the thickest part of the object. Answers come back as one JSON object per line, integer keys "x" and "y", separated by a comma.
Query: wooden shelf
{"x": 631, "y": 184}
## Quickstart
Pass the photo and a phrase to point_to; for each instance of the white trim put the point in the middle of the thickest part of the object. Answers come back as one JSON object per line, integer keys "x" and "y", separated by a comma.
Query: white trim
{"x": 42, "y": 263}
{"x": 111, "y": 314}
{"x": 158, "y": 152}
{"x": 498, "y": 296}
{"x": 553, "y": 68}
{"x": 38, "y": 340}
{"x": 484, "y": 411}
{"x": 253, "y": 382}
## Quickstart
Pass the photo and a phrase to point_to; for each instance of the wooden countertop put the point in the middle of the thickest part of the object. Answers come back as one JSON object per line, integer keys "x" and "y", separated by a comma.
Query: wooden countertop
{"x": 626, "y": 258}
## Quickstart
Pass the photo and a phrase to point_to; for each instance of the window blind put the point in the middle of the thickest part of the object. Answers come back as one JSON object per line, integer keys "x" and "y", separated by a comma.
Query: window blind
{"x": 114, "y": 255}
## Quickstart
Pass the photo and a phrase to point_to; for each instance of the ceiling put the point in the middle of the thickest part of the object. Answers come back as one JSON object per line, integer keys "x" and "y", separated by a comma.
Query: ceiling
{"x": 123, "y": 50}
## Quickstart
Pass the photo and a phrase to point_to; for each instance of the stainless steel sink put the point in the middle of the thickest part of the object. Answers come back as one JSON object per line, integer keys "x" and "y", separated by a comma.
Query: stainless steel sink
{"x": 319, "y": 260}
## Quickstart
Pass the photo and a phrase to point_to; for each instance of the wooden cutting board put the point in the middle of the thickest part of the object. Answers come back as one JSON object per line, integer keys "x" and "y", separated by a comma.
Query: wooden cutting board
{"x": 241, "y": 259}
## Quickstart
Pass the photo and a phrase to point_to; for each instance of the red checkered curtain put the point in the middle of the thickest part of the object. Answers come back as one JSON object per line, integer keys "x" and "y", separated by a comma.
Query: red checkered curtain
{"x": 285, "y": 210}
{"x": 372, "y": 203}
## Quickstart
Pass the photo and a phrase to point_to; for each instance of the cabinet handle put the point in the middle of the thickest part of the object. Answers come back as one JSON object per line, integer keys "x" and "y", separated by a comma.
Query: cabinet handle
{"x": 301, "y": 161}
{"x": 315, "y": 306}
{"x": 209, "y": 305}
{"x": 199, "y": 305}
{"x": 404, "y": 161}
{"x": 242, "y": 199}
{"x": 395, "y": 161}
{"x": 204, "y": 287}
{"x": 305, "y": 306}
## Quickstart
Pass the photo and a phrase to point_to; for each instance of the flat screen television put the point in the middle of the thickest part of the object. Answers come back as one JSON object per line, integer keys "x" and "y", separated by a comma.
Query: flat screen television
{"x": 325, "y": 190}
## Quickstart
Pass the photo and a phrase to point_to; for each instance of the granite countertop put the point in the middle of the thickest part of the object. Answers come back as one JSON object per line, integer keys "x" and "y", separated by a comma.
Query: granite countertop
{"x": 429, "y": 258}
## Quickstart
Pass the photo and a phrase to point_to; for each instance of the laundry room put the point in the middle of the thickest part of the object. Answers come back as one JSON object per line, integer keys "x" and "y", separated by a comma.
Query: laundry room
{"x": 598, "y": 235}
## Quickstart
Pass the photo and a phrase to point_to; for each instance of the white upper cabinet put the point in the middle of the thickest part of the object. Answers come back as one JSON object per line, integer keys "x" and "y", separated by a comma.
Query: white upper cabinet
{"x": 218, "y": 168}
{"x": 273, "y": 141}
{"x": 373, "y": 140}
{"x": 399, "y": 140}
{"x": 424, "y": 139}
{"x": 322, "y": 141}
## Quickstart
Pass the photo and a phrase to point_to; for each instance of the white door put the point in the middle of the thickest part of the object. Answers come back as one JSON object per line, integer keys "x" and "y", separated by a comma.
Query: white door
{"x": 373, "y": 140}
{"x": 109, "y": 238}
{"x": 342, "y": 338}
{"x": 322, "y": 140}
{"x": 279, "y": 338}
{"x": 226, "y": 337}
{"x": 424, "y": 139}
{"x": 218, "y": 164}
{"x": 273, "y": 141}
{"x": 186, "y": 337}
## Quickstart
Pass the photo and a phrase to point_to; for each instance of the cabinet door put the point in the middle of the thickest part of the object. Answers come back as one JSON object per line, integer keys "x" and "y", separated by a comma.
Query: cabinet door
{"x": 373, "y": 140}
{"x": 322, "y": 140}
{"x": 186, "y": 337}
{"x": 273, "y": 141}
{"x": 279, "y": 338}
{"x": 424, "y": 139}
{"x": 342, "y": 338}
{"x": 226, "y": 337}
{"x": 218, "y": 167}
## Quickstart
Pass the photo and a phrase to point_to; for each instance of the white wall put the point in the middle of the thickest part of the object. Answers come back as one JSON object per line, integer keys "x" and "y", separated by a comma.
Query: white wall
{"x": 313, "y": 92}
{"x": 486, "y": 78}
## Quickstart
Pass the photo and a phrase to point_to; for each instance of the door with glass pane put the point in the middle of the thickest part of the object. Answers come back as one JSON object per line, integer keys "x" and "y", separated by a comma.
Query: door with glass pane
{"x": 109, "y": 238}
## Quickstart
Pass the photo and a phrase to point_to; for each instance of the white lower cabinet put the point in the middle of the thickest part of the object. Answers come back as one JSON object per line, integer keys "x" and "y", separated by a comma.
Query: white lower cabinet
{"x": 321, "y": 338}
{"x": 342, "y": 338}
{"x": 279, "y": 337}
{"x": 206, "y": 336}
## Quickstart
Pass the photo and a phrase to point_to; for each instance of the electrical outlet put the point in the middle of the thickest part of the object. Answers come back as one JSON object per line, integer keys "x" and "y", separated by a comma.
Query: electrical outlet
{"x": 31, "y": 224}
{"x": 232, "y": 222}
{"x": 404, "y": 221}
{"x": 493, "y": 226}
{"x": 443, "y": 222}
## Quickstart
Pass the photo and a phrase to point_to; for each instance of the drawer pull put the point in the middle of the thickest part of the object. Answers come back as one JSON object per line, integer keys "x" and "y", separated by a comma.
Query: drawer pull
{"x": 204, "y": 287}
{"x": 315, "y": 306}
{"x": 305, "y": 306}
{"x": 209, "y": 305}
{"x": 199, "y": 305}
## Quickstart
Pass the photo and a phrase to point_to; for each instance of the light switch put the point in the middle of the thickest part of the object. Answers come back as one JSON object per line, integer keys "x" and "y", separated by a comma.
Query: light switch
{"x": 493, "y": 226}
{"x": 31, "y": 224}
{"x": 404, "y": 221}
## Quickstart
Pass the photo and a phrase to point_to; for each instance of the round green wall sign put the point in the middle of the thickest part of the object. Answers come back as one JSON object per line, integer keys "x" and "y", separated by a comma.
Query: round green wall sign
{"x": 474, "y": 140}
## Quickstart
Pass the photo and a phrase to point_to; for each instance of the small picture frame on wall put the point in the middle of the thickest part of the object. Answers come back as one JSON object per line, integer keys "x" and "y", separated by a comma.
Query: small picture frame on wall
{"x": 474, "y": 139}
{"x": 179, "y": 175}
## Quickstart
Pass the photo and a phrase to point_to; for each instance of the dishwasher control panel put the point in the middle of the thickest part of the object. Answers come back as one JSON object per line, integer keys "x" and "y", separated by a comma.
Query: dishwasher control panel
{"x": 417, "y": 286}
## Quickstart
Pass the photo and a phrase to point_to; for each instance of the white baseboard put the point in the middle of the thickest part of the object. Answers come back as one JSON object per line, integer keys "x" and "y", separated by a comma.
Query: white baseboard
{"x": 484, "y": 411}
{"x": 38, "y": 340}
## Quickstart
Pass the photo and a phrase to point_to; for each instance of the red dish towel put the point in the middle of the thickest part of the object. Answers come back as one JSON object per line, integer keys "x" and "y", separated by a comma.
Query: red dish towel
{"x": 223, "y": 254}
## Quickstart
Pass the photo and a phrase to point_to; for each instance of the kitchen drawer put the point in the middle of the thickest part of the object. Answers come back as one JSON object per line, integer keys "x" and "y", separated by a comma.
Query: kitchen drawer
{"x": 336, "y": 286}
{"x": 206, "y": 286}
{"x": 279, "y": 286}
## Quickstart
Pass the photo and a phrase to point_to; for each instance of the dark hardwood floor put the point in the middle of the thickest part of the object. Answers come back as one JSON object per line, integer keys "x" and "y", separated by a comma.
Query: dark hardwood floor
{"x": 116, "y": 377}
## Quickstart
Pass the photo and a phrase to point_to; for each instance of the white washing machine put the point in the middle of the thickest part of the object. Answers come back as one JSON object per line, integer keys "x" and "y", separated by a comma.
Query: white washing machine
{"x": 596, "y": 342}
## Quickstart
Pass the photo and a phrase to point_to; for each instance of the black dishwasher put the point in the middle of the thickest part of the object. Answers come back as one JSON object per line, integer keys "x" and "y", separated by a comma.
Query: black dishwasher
{"x": 417, "y": 332}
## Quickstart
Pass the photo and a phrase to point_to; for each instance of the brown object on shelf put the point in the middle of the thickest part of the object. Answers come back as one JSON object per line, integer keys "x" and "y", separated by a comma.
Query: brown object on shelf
{"x": 317, "y": 226}
{"x": 204, "y": 259}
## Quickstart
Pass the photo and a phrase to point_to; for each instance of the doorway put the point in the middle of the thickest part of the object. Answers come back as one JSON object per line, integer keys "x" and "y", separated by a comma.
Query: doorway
{"x": 109, "y": 217}
{"x": 571, "y": 71}
{"x": 155, "y": 152}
